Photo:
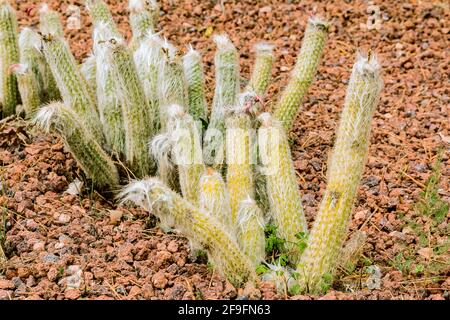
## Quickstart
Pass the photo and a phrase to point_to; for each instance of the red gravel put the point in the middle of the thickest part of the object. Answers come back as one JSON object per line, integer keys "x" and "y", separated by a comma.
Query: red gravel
{"x": 66, "y": 247}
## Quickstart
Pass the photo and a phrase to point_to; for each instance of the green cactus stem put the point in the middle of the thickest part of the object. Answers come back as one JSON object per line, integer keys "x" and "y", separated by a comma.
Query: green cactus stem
{"x": 144, "y": 16}
{"x": 225, "y": 96}
{"x": 303, "y": 74}
{"x": 215, "y": 199}
{"x": 95, "y": 163}
{"x": 251, "y": 237}
{"x": 239, "y": 160}
{"x": 89, "y": 69}
{"x": 50, "y": 22}
{"x": 100, "y": 13}
{"x": 193, "y": 71}
{"x": 150, "y": 57}
{"x": 74, "y": 89}
{"x": 138, "y": 118}
{"x": 186, "y": 152}
{"x": 108, "y": 94}
{"x": 262, "y": 69}
{"x": 28, "y": 88}
{"x": 345, "y": 169}
{"x": 9, "y": 55}
{"x": 198, "y": 226}
{"x": 284, "y": 197}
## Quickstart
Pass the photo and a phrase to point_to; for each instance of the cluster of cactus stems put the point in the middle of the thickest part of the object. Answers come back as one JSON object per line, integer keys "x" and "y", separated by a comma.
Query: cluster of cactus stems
{"x": 220, "y": 186}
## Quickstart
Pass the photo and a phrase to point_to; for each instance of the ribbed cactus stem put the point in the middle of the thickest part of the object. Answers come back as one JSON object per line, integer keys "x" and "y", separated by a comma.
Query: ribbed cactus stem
{"x": 284, "y": 197}
{"x": 262, "y": 69}
{"x": 161, "y": 149}
{"x": 225, "y": 96}
{"x": 9, "y": 54}
{"x": 138, "y": 118}
{"x": 50, "y": 22}
{"x": 88, "y": 70}
{"x": 143, "y": 18}
{"x": 108, "y": 94}
{"x": 193, "y": 71}
{"x": 215, "y": 199}
{"x": 303, "y": 74}
{"x": 346, "y": 167}
{"x": 100, "y": 13}
{"x": 200, "y": 227}
{"x": 28, "y": 88}
{"x": 250, "y": 234}
{"x": 239, "y": 160}
{"x": 74, "y": 88}
{"x": 150, "y": 57}
{"x": 96, "y": 164}
{"x": 186, "y": 152}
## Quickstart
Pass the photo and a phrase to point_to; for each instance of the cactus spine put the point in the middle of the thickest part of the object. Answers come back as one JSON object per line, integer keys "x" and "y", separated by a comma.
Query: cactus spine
{"x": 137, "y": 116}
{"x": 215, "y": 199}
{"x": 303, "y": 74}
{"x": 108, "y": 97}
{"x": 239, "y": 160}
{"x": 88, "y": 70}
{"x": 28, "y": 88}
{"x": 193, "y": 71}
{"x": 225, "y": 96}
{"x": 82, "y": 144}
{"x": 73, "y": 87}
{"x": 282, "y": 188}
{"x": 143, "y": 18}
{"x": 250, "y": 234}
{"x": 100, "y": 13}
{"x": 50, "y": 22}
{"x": 197, "y": 225}
{"x": 187, "y": 152}
{"x": 9, "y": 55}
{"x": 345, "y": 169}
{"x": 262, "y": 69}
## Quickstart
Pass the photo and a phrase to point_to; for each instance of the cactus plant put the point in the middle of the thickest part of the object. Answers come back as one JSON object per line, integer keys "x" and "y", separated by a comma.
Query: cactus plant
{"x": 73, "y": 86}
{"x": 345, "y": 169}
{"x": 203, "y": 229}
{"x": 302, "y": 76}
{"x": 100, "y": 13}
{"x": 143, "y": 19}
{"x": 239, "y": 160}
{"x": 89, "y": 69}
{"x": 284, "y": 197}
{"x": 50, "y": 22}
{"x": 97, "y": 165}
{"x": 250, "y": 231}
{"x": 215, "y": 199}
{"x": 262, "y": 69}
{"x": 193, "y": 71}
{"x": 28, "y": 88}
{"x": 225, "y": 97}
{"x": 137, "y": 116}
{"x": 9, "y": 54}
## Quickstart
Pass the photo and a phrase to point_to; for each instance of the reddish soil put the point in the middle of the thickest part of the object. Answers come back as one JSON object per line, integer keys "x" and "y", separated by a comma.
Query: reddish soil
{"x": 62, "y": 246}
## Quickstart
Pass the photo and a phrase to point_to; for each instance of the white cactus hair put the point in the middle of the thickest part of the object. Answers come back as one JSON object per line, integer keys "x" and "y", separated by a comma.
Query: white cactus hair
{"x": 318, "y": 21}
{"x": 44, "y": 8}
{"x": 19, "y": 68}
{"x": 140, "y": 5}
{"x": 29, "y": 38}
{"x": 223, "y": 42}
{"x": 45, "y": 116}
{"x": 264, "y": 47}
{"x": 191, "y": 59}
{"x": 243, "y": 218}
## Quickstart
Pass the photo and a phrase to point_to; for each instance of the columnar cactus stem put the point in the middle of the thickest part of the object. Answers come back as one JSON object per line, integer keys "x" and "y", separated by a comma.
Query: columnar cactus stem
{"x": 215, "y": 199}
{"x": 284, "y": 197}
{"x": 108, "y": 97}
{"x": 199, "y": 226}
{"x": 96, "y": 164}
{"x": 239, "y": 160}
{"x": 9, "y": 54}
{"x": 161, "y": 149}
{"x": 262, "y": 69}
{"x": 100, "y": 13}
{"x": 187, "y": 152}
{"x": 31, "y": 55}
{"x": 303, "y": 74}
{"x": 143, "y": 18}
{"x": 225, "y": 96}
{"x": 50, "y": 22}
{"x": 89, "y": 69}
{"x": 150, "y": 57}
{"x": 28, "y": 88}
{"x": 193, "y": 71}
{"x": 137, "y": 116}
{"x": 345, "y": 169}
{"x": 73, "y": 87}
{"x": 251, "y": 237}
